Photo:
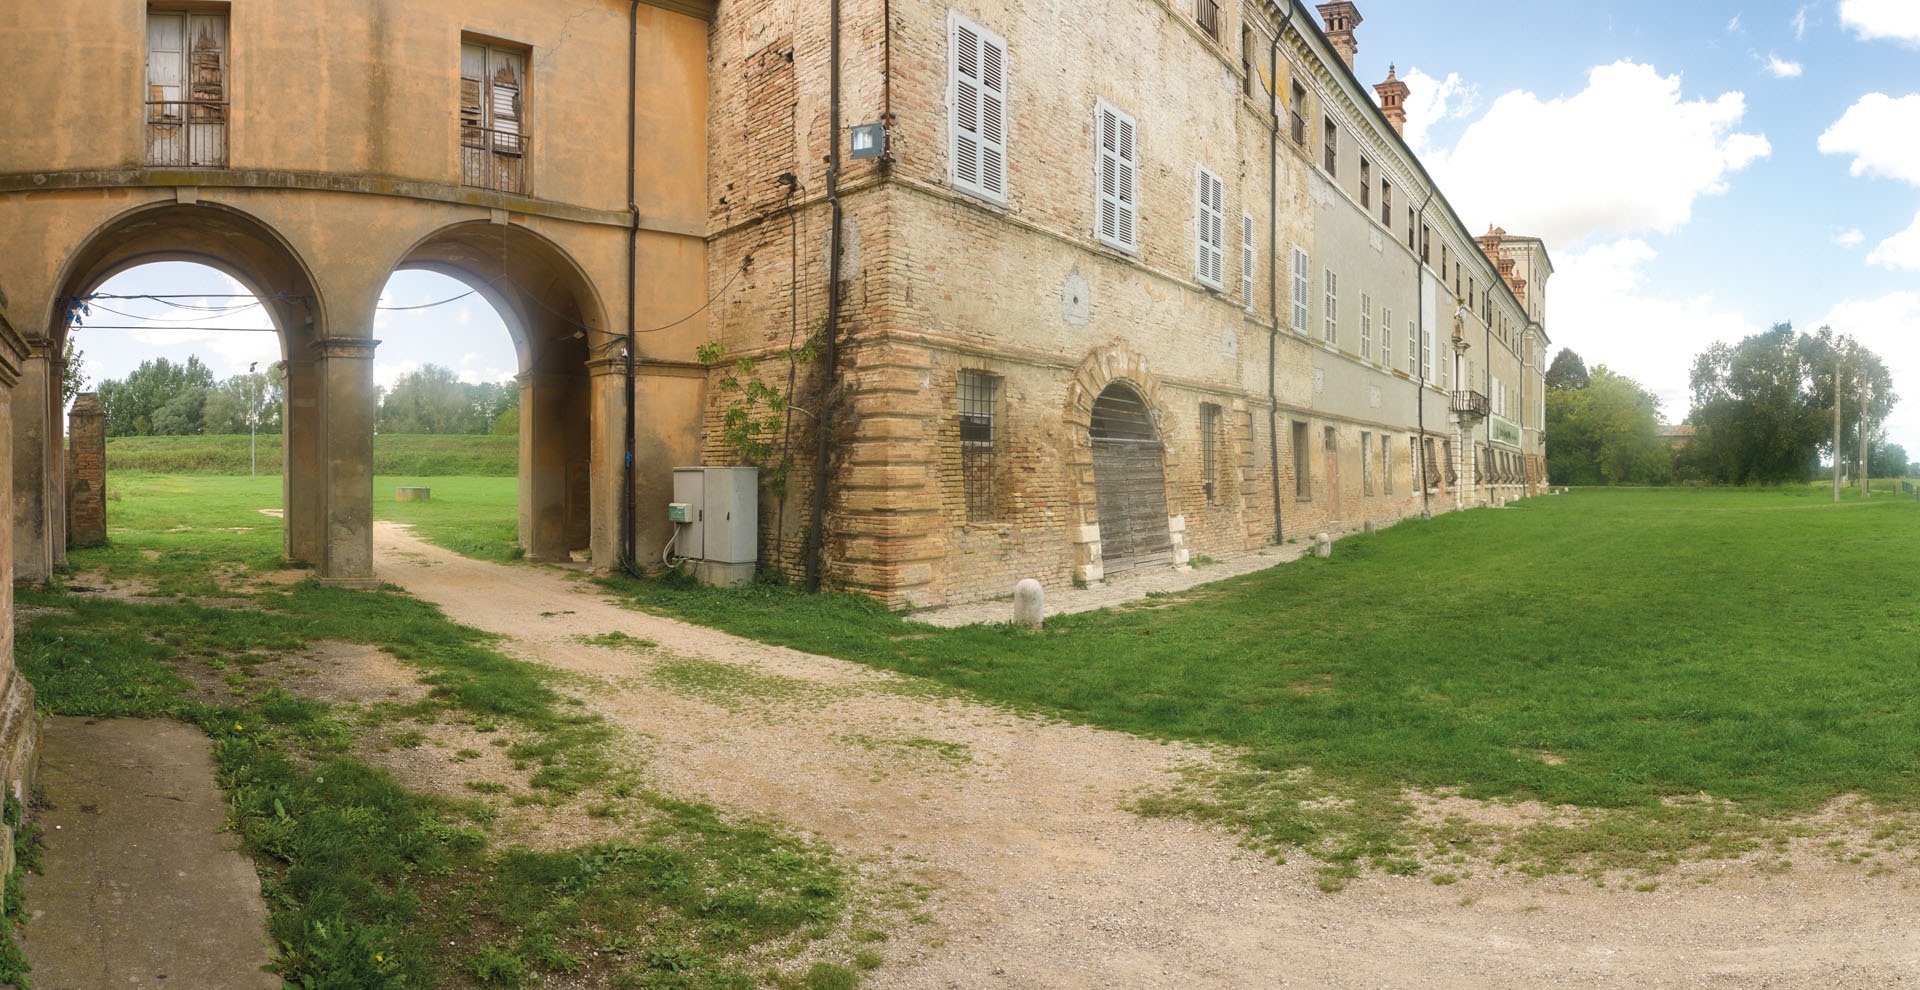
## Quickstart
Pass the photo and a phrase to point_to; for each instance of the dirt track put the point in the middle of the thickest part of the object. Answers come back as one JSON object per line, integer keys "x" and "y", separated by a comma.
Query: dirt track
{"x": 1041, "y": 880}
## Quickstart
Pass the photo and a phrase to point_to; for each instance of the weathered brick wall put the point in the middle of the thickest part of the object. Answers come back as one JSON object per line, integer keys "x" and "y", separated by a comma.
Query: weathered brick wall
{"x": 937, "y": 282}
{"x": 87, "y": 472}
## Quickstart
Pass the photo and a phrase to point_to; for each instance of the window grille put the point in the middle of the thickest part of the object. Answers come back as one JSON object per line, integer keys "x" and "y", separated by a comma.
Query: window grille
{"x": 1209, "y": 460}
{"x": 978, "y": 392}
{"x": 186, "y": 89}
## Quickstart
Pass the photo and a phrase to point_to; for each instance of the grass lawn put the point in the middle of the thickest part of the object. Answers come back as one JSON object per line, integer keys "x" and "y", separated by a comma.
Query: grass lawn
{"x": 370, "y": 884}
{"x": 1748, "y": 652}
{"x": 488, "y": 456}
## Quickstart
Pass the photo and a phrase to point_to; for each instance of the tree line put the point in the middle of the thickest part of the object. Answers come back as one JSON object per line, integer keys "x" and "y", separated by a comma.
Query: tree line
{"x": 164, "y": 398}
{"x": 1762, "y": 412}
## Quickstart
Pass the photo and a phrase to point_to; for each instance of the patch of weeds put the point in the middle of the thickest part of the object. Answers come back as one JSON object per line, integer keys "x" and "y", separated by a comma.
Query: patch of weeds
{"x": 407, "y": 739}
{"x": 868, "y": 959}
{"x": 1202, "y": 561}
{"x": 616, "y": 640}
{"x": 486, "y": 787}
{"x": 940, "y": 750}
{"x": 729, "y": 685}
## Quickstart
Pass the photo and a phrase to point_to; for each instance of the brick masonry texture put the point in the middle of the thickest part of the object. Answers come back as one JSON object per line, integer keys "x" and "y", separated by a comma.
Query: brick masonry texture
{"x": 936, "y": 283}
{"x": 87, "y": 473}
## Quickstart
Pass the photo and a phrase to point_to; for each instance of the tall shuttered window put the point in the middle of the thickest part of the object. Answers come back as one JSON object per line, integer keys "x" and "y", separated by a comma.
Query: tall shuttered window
{"x": 979, "y": 393}
{"x": 1119, "y": 183}
{"x": 494, "y": 138}
{"x": 1210, "y": 451}
{"x": 979, "y": 81}
{"x": 1331, "y": 329}
{"x": 1300, "y": 289}
{"x": 186, "y": 89}
{"x": 1366, "y": 327}
{"x": 1209, "y": 227}
{"x": 1302, "y": 474}
{"x": 1386, "y": 337}
{"x": 1247, "y": 259}
{"x": 1413, "y": 349}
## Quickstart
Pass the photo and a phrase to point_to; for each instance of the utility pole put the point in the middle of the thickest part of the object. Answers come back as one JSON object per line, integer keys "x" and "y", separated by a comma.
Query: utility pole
{"x": 253, "y": 448}
{"x": 1866, "y": 469}
{"x": 1836, "y": 426}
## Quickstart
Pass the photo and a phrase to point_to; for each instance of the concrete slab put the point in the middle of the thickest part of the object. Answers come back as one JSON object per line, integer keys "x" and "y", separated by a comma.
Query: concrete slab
{"x": 142, "y": 888}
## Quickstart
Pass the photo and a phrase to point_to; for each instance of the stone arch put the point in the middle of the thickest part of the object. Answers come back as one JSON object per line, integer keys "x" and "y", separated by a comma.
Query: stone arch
{"x": 235, "y": 242}
{"x": 1101, "y": 368}
{"x": 568, "y": 363}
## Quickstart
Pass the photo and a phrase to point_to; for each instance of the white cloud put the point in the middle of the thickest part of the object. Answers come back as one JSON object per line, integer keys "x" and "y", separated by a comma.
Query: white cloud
{"x": 1799, "y": 22}
{"x": 1881, "y": 133}
{"x": 1733, "y": 26}
{"x": 1600, "y": 307}
{"x": 1898, "y": 20}
{"x": 384, "y": 375}
{"x": 1890, "y": 327}
{"x": 1902, "y": 250}
{"x": 1624, "y": 155}
{"x": 1849, "y": 238}
{"x": 1779, "y": 68}
{"x": 1430, "y": 101}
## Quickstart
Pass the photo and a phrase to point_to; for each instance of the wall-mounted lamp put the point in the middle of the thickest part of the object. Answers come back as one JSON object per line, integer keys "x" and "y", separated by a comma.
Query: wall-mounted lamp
{"x": 869, "y": 140}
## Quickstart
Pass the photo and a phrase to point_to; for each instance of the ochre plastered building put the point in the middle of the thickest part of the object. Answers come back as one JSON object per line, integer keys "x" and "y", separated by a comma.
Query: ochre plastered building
{"x": 1133, "y": 282}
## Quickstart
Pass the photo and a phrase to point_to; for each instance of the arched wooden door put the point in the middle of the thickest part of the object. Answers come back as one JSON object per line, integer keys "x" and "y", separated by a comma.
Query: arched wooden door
{"x": 1129, "y": 483}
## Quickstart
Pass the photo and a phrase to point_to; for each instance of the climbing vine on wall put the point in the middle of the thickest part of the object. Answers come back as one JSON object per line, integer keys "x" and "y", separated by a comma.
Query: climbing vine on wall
{"x": 756, "y": 423}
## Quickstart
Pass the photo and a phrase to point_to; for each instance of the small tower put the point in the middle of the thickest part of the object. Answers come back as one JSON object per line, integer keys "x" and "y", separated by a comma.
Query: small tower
{"x": 1341, "y": 18}
{"x": 1393, "y": 101}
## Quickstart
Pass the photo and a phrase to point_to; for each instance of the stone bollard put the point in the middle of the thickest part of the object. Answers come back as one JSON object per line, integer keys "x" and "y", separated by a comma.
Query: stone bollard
{"x": 1029, "y": 603}
{"x": 1370, "y": 527}
{"x": 1322, "y": 545}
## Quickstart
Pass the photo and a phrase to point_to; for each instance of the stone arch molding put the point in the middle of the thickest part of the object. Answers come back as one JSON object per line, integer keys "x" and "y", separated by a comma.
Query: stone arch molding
{"x": 1102, "y": 367}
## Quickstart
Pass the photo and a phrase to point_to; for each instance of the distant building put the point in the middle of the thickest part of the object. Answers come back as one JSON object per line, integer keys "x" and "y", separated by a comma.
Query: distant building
{"x": 1676, "y": 436}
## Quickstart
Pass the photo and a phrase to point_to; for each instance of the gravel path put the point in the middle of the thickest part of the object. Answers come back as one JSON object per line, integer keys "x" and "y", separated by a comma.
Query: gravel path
{"x": 1118, "y": 590}
{"x": 1040, "y": 880}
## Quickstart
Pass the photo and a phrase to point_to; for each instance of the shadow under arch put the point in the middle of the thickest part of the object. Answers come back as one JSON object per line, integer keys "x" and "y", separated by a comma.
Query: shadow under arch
{"x": 221, "y": 237}
{"x": 559, "y": 329}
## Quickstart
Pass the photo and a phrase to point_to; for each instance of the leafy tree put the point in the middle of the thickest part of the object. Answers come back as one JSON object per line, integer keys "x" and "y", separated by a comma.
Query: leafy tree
{"x": 1763, "y": 408}
{"x": 183, "y": 415}
{"x": 1567, "y": 371}
{"x": 1605, "y": 433}
{"x": 72, "y": 380}
{"x": 131, "y": 405}
{"x": 1889, "y": 460}
{"x": 229, "y": 403}
{"x": 433, "y": 400}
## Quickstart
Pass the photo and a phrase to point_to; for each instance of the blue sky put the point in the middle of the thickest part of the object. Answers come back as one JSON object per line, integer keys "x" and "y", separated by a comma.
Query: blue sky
{"x": 1700, "y": 171}
{"x": 465, "y": 335}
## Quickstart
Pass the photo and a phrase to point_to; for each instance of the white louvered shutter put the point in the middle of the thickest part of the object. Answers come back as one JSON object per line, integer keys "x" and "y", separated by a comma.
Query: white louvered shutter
{"x": 166, "y": 58}
{"x": 1333, "y": 308}
{"x": 1209, "y": 228}
{"x": 1366, "y": 327}
{"x": 1118, "y": 190}
{"x": 1246, "y": 260}
{"x": 979, "y": 112}
{"x": 1386, "y": 337}
{"x": 1300, "y": 269}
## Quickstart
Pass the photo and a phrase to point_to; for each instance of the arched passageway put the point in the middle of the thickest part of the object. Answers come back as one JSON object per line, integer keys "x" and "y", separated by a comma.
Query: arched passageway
{"x": 260, "y": 260}
{"x": 1129, "y": 482}
{"x": 565, "y": 376}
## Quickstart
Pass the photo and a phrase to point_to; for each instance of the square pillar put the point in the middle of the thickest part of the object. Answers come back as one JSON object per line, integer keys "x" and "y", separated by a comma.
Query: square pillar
{"x": 33, "y": 476}
{"x": 57, "y": 459}
{"x": 344, "y": 370}
{"x": 300, "y": 500}
{"x": 87, "y": 473}
{"x": 543, "y": 466}
{"x": 607, "y": 449}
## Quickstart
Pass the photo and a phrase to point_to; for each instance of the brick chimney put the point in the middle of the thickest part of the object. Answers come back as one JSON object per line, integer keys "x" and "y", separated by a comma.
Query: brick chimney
{"x": 1490, "y": 244}
{"x": 1393, "y": 101}
{"x": 1341, "y": 18}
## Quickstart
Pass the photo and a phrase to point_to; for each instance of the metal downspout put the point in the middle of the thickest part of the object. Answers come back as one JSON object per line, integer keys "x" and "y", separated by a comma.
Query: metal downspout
{"x": 1273, "y": 267}
{"x": 816, "y": 543}
{"x": 628, "y": 551}
{"x": 1420, "y": 348}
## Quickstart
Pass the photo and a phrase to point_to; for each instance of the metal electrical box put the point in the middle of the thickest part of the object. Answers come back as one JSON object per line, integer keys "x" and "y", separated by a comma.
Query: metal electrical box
{"x": 722, "y": 535}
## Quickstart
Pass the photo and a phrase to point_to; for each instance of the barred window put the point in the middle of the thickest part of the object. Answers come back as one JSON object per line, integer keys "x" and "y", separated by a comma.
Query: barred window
{"x": 978, "y": 392}
{"x": 1209, "y": 457}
